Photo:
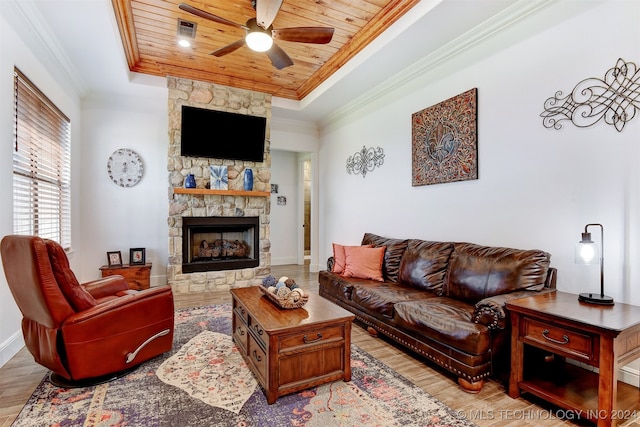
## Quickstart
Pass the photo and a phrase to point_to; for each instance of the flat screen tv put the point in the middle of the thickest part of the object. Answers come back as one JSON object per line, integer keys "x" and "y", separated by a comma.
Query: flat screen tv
{"x": 222, "y": 135}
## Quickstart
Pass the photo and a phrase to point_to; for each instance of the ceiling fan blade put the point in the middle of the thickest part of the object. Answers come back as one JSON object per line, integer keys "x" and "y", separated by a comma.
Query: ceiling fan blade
{"x": 209, "y": 16}
{"x": 266, "y": 11}
{"x": 228, "y": 48}
{"x": 318, "y": 35}
{"x": 279, "y": 57}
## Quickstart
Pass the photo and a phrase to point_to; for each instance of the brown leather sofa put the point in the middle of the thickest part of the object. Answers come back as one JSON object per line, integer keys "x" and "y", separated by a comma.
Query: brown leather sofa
{"x": 444, "y": 300}
{"x": 84, "y": 333}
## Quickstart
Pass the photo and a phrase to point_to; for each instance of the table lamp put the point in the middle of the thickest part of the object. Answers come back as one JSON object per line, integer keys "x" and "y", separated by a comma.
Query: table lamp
{"x": 587, "y": 253}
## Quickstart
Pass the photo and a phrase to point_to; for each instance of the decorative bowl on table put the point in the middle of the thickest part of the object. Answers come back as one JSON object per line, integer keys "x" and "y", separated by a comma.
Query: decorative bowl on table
{"x": 283, "y": 292}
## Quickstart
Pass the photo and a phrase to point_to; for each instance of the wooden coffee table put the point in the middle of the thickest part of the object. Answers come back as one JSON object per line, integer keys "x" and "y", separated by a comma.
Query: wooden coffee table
{"x": 291, "y": 350}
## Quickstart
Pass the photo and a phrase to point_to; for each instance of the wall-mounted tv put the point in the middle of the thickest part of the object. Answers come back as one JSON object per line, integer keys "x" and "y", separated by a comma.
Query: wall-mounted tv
{"x": 222, "y": 135}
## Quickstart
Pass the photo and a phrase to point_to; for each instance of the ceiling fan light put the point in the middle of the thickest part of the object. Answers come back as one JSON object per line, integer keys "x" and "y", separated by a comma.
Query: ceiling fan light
{"x": 259, "y": 41}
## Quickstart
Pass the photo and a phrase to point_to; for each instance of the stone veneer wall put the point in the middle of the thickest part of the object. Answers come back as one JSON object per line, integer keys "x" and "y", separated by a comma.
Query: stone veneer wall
{"x": 215, "y": 97}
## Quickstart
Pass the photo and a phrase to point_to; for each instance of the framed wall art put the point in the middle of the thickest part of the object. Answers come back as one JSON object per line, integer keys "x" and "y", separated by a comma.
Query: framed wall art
{"x": 219, "y": 177}
{"x": 114, "y": 258}
{"x": 137, "y": 256}
{"x": 444, "y": 141}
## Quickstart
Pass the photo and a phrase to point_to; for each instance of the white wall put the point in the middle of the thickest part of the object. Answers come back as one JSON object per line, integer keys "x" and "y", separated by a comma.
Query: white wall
{"x": 302, "y": 138}
{"x": 14, "y": 52}
{"x": 537, "y": 187}
{"x": 117, "y": 218}
{"x": 284, "y": 218}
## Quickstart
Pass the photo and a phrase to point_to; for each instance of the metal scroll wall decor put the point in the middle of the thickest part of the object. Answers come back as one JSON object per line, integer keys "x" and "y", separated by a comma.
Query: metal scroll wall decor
{"x": 365, "y": 161}
{"x": 444, "y": 141}
{"x": 613, "y": 98}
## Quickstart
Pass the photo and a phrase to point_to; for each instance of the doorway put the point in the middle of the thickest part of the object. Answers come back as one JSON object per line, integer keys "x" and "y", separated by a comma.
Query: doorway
{"x": 307, "y": 208}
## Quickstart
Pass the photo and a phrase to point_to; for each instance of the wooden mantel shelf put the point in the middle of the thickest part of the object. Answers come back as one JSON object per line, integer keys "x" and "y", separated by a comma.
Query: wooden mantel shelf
{"x": 208, "y": 192}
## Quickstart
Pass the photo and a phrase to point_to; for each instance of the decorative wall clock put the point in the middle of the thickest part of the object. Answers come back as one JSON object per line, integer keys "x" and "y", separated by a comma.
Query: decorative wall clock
{"x": 125, "y": 167}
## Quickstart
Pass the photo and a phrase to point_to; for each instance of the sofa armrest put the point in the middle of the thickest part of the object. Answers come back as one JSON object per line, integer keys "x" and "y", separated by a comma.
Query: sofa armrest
{"x": 490, "y": 311}
{"x": 330, "y": 262}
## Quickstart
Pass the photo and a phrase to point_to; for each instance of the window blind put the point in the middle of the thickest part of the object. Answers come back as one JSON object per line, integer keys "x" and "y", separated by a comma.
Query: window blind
{"x": 41, "y": 165}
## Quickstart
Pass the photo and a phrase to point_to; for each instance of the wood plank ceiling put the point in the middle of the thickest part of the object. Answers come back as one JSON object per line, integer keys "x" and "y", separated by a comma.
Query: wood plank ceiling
{"x": 148, "y": 29}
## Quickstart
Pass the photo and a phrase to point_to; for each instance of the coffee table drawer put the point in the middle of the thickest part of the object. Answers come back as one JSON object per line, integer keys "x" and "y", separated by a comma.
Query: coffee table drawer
{"x": 258, "y": 358}
{"x": 314, "y": 337}
{"x": 258, "y": 332}
{"x": 240, "y": 333}
{"x": 242, "y": 313}
{"x": 557, "y": 338}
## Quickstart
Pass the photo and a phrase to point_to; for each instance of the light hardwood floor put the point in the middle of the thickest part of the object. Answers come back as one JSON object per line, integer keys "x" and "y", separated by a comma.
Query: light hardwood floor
{"x": 491, "y": 407}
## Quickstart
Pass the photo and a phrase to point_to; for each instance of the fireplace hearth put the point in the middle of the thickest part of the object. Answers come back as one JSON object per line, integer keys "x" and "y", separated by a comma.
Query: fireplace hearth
{"x": 219, "y": 243}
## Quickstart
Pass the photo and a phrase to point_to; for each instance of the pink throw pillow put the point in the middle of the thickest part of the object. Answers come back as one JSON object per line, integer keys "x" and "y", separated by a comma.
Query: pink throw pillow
{"x": 339, "y": 257}
{"x": 364, "y": 262}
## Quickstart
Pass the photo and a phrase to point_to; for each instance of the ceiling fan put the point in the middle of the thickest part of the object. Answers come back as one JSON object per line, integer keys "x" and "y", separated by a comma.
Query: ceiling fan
{"x": 260, "y": 33}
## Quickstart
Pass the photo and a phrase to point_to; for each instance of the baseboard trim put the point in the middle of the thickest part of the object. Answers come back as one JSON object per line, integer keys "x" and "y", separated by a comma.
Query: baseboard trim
{"x": 629, "y": 376}
{"x": 284, "y": 261}
{"x": 10, "y": 347}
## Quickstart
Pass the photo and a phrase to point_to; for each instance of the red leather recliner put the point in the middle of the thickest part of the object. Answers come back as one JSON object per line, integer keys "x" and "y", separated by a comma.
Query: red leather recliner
{"x": 89, "y": 333}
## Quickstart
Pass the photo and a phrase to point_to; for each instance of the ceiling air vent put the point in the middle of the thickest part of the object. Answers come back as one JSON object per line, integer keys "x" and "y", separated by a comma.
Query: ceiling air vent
{"x": 186, "y": 28}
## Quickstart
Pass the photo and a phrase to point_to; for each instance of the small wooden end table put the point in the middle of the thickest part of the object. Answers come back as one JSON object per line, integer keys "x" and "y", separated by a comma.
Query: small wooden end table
{"x": 138, "y": 277}
{"x": 291, "y": 350}
{"x": 605, "y": 337}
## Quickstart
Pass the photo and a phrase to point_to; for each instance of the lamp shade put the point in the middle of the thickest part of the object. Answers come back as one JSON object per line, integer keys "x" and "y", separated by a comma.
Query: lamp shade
{"x": 586, "y": 251}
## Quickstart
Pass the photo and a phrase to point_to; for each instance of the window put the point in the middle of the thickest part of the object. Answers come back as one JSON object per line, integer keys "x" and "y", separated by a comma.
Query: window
{"x": 41, "y": 165}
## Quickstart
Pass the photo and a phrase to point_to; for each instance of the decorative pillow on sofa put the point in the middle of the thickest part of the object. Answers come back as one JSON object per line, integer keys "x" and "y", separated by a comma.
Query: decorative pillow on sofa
{"x": 339, "y": 257}
{"x": 363, "y": 262}
{"x": 77, "y": 296}
{"x": 393, "y": 254}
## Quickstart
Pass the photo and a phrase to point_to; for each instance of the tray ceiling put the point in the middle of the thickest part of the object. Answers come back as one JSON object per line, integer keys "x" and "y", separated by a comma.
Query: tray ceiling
{"x": 149, "y": 33}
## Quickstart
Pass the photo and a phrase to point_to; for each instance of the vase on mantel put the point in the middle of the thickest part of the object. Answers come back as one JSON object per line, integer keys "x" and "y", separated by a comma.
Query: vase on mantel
{"x": 248, "y": 179}
{"x": 190, "y": 181}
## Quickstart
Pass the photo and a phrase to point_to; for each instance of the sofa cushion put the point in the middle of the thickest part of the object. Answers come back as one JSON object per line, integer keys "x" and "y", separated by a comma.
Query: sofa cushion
{"x": 392, "y": 256}
{"x": 378, "y": 299}
{"x": 339, "y": 258}
{"x": 424, "y": 264}
{"x": 76, "y": 295}
{"x": 363, "y": 262}
{"x": 445, "y": 320}
{"x": 476, "y": 272}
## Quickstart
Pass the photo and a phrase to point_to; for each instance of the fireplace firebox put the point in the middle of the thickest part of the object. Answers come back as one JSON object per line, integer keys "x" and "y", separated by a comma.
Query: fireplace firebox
{"x": 219, "y": 243}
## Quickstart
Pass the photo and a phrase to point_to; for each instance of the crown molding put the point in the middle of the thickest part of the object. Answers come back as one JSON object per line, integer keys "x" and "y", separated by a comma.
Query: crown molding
{"x": 35, "y": 29}
{"x": 464, "y": 42}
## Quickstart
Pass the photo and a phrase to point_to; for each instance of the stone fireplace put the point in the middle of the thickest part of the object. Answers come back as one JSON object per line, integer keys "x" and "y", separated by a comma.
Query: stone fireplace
{"x": 234, "y": 224}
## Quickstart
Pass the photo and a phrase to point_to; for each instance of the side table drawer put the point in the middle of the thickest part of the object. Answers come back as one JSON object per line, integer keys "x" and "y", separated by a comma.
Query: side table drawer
{"x": 138, "y": 277}
{"x": 557, "y": 338}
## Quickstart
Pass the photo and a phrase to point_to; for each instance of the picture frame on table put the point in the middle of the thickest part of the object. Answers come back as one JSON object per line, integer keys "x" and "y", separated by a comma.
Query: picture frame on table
{"x": 114, "y": 258}
{"x": 137, "y": 256}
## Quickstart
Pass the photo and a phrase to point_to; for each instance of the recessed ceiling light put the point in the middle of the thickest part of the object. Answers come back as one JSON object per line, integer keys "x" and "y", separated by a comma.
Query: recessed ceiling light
{"x": 184, "y": 43}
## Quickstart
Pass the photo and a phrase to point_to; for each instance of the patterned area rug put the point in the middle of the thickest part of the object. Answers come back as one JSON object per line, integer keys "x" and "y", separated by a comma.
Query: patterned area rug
{"x": 196, "y": 395}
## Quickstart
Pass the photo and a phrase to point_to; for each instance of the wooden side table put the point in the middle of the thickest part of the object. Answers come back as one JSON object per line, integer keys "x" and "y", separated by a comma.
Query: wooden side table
{"x": 137, "y": 276}
{"x": 605, "y": 337}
